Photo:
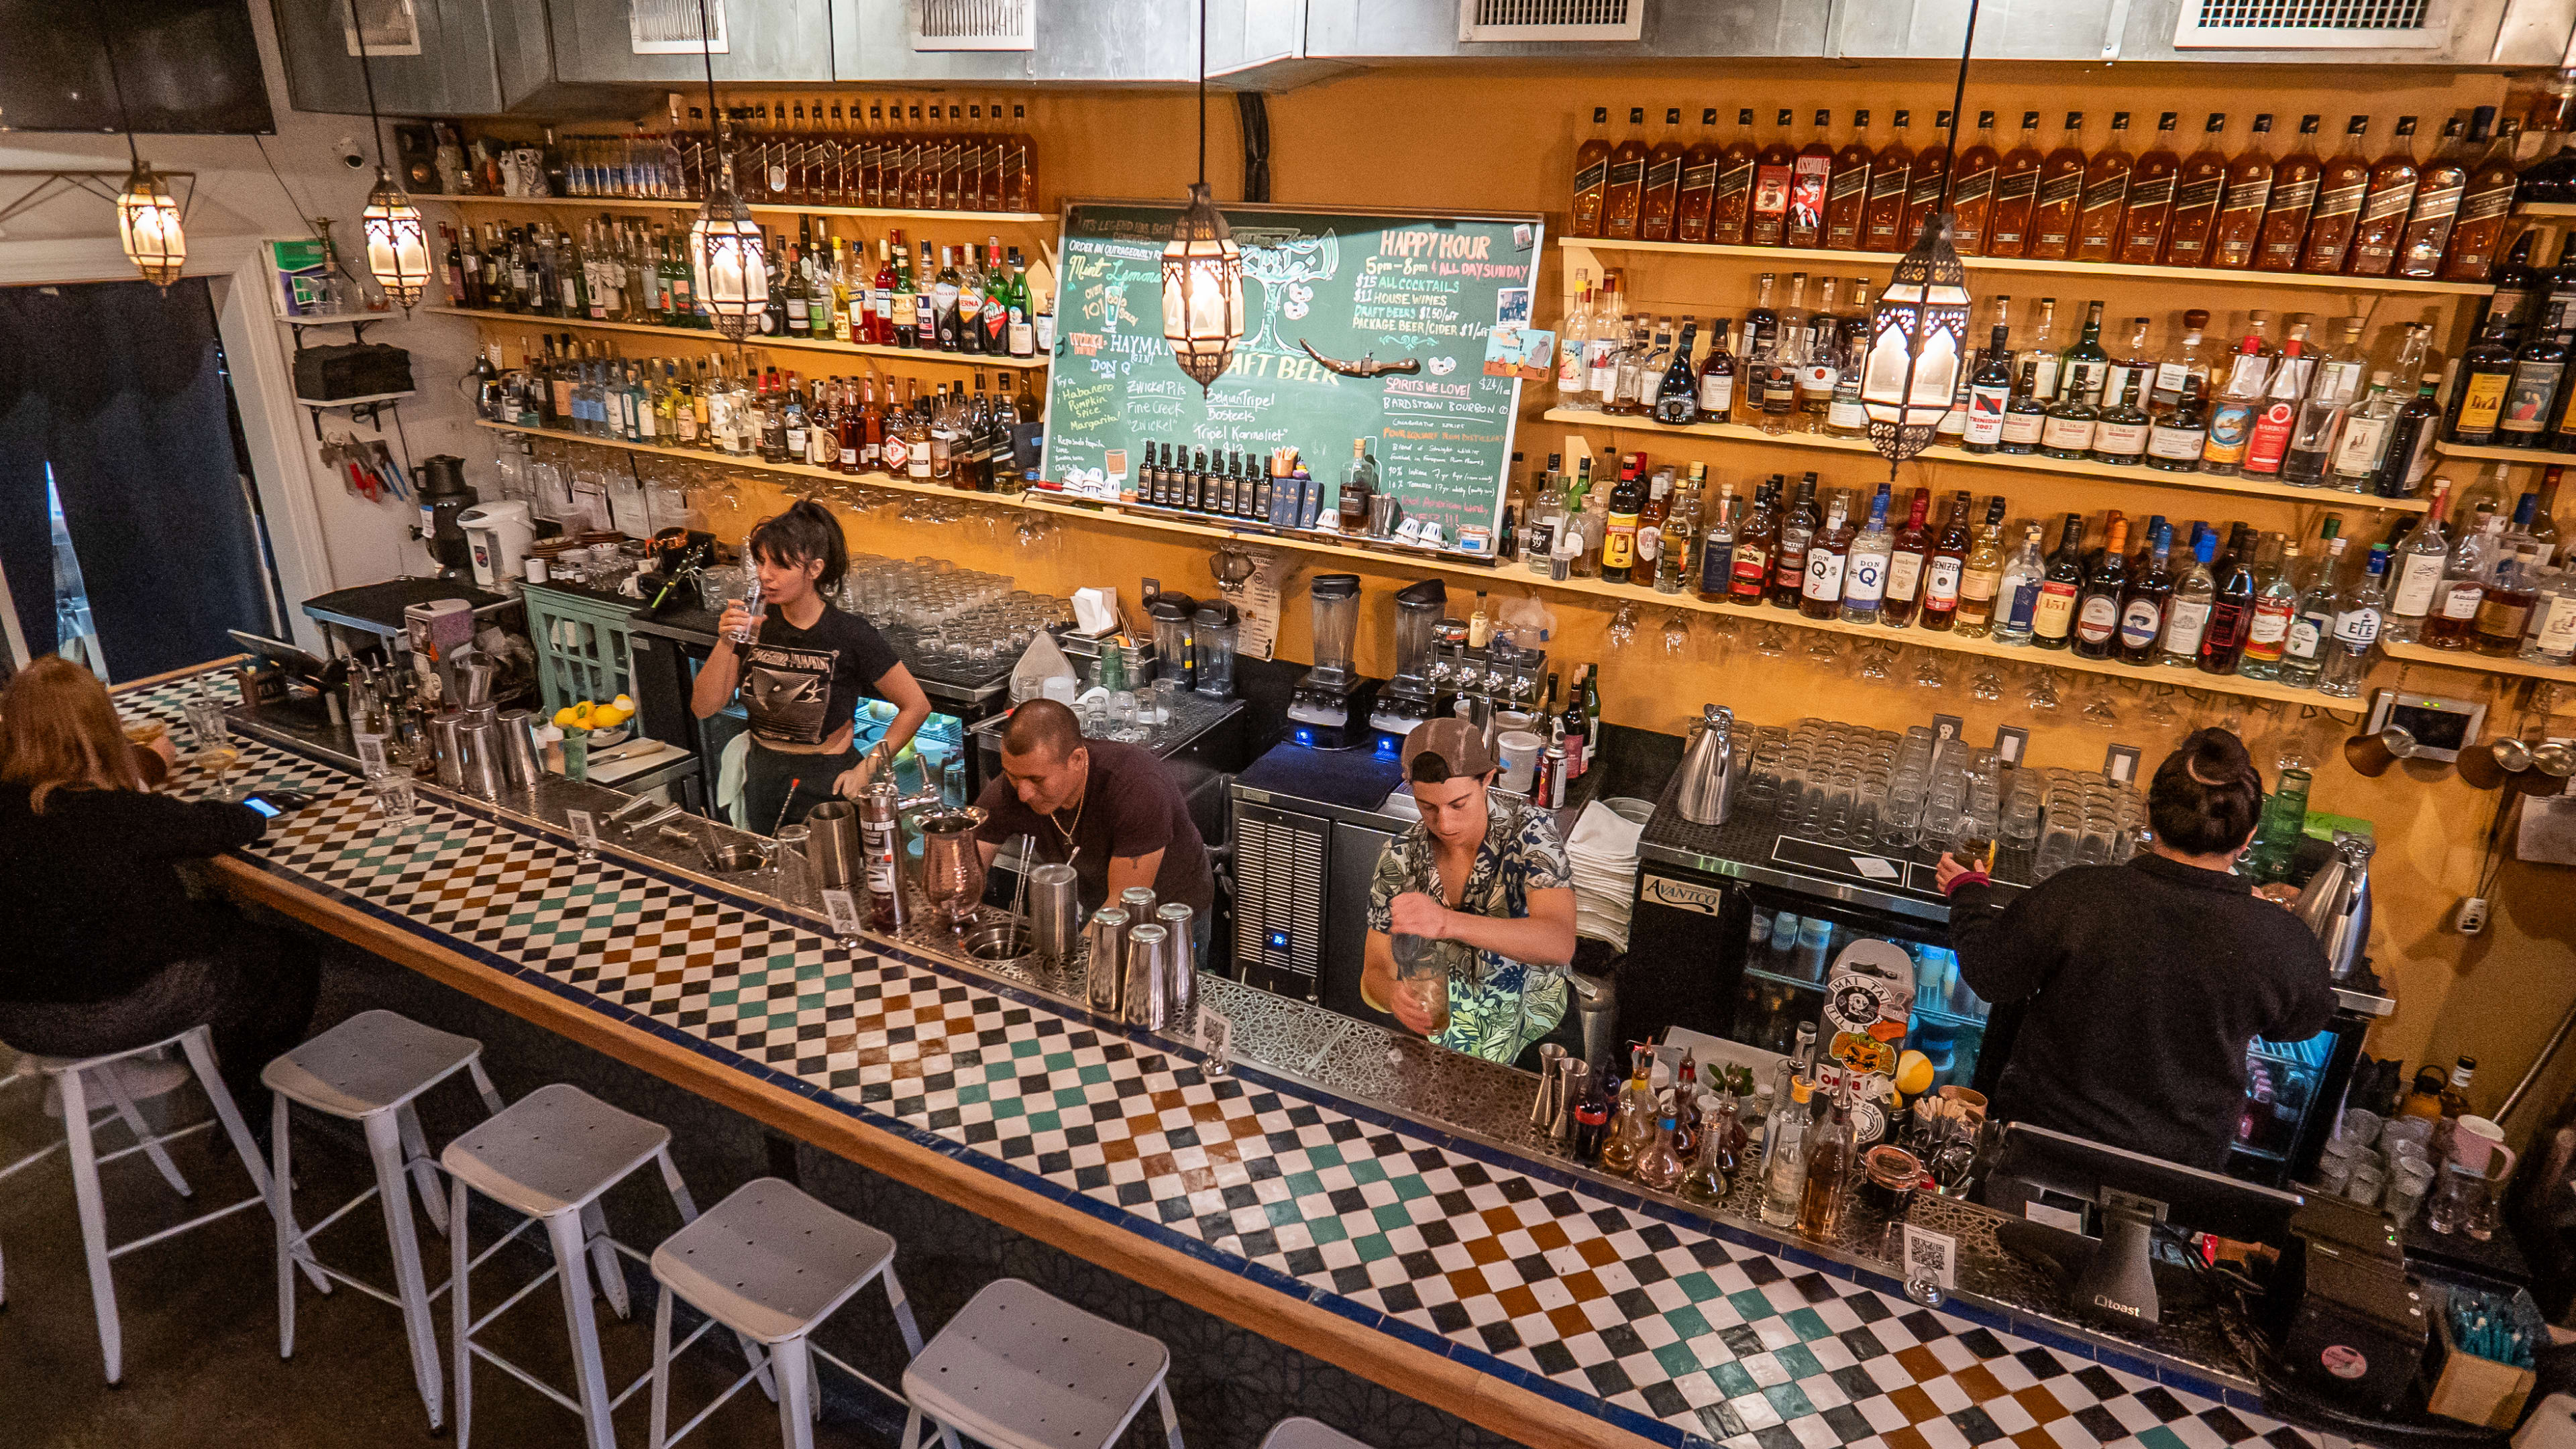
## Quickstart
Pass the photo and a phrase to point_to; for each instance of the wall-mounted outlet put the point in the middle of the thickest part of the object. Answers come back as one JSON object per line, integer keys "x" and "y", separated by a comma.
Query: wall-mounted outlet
{"x": 2473, "y": 915}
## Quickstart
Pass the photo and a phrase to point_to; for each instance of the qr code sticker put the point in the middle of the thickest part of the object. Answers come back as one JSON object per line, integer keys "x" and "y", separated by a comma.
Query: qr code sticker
{"x": 1931, "y": 1255}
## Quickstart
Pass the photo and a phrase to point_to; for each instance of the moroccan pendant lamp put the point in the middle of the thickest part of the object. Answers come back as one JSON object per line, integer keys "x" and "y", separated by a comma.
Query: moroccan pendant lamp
{"x": 1202, "y": 269}
{"x": 1918, "y": 331}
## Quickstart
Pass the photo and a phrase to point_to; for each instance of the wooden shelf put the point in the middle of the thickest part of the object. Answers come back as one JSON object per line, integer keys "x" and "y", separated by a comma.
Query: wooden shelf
{"x": 535, "y": 322}
{"x": 2532, "y": 456}
{"x": 622, "y": 203}
{"x": 2470, "y": 659}
{"x": 2022, "y": 462}
{"x": 1489, "y": 575}
{"x": 2021, "y": 264}
{"x": 2544, "y": 208}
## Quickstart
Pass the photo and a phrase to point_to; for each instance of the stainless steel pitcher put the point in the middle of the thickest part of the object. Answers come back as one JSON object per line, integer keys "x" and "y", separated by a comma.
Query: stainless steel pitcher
{"x": 952, "y": 865}
{"x": 1149, "y": 968}
{"x": 2336, "y": 904}
{"x": 1055, "y": 910}
{"x": 1708, "y": 768}
{"x": 832, "y": 842}
{"x": 1183, "y": 985}
{"x": 1105, "y": 969}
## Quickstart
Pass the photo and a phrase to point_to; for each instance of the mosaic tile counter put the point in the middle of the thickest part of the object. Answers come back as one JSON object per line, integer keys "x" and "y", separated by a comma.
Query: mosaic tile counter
{"x": 1535, "y": 1302}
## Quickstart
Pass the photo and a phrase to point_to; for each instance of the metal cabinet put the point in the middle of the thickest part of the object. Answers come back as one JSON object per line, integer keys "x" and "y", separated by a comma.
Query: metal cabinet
{"x": 451, "y": 72}
{"x": 769, "y": 42}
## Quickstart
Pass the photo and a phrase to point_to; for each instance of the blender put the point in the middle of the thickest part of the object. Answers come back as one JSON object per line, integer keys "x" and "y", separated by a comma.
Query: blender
{"x": 1329, "y": 707}
{"x": 1411, "y": 697}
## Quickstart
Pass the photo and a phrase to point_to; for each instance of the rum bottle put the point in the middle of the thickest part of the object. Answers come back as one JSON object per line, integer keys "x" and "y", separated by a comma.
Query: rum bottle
{"x": 2417, "y": 570}
{"x": 1989, "y": 394}
{"x": 2187, "y": 611}
{"x": 1980, "y": 579}
{"x": 1847, "y": 194}
{"x": 2149, "y": 208}
{"x": 2142, "y": 607}
{"x": 1717, "y": 544}
{"x": 2282, "y": 242}
{"x": 1754, "y": 541}
{"x": 2016, "y": 193}
{"x": 1905, "y": 555}
{"x": 2231, "y": 608}
{"x": 2478, "y": 395}
{"x": 2341, "y": 187}
{"x": 1662, "y": 197}
{"x": 1624, "y": 192}
{"x": 1946, "y": 568}
{"x": 2384, "y": 207}
{"x": 2060, "y": 197}
{"x": 1591, "y": 176}
{"x": 2052, "y": 614}
{"x": 1865, "y": 573}
{"x": 1820, "y": 591}
{"x": 2097, "y": 605}
{"x": 2106, "y": 194}
{"x": 1891, "y": 171}
{"x": 2199, "y": 189}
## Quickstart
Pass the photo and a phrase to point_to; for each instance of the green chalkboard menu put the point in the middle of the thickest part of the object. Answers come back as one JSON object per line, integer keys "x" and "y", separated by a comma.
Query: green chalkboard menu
{"x": 1351, "y": 284}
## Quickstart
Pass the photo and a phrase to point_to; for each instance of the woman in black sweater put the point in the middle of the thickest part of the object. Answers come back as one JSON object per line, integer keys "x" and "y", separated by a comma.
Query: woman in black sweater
{"x": 107, "y": 949}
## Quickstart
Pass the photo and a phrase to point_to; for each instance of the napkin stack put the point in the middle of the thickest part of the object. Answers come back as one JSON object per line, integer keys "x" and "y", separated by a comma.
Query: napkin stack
{"x": 1603, "y": 854}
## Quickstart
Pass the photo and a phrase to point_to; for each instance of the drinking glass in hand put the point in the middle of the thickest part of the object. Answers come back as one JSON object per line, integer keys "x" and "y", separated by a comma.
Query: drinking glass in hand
{"x": 747, "y": 594}
{"x": 1422, "y": 974}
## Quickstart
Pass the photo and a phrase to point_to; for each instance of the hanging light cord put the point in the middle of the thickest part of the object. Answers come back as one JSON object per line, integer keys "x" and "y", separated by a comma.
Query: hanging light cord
{"x": 1958, "y": 98}
{"x": 125, "y": 118}
{"x": 367, "y": 72}
{"x": 1914, "y": 349}
{"x": 724, "y": 163}
{"x": 1203, "y": 92}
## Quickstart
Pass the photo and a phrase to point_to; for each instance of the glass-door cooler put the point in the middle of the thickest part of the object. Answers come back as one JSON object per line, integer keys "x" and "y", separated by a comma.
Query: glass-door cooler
{"x": 1791, "y": 938}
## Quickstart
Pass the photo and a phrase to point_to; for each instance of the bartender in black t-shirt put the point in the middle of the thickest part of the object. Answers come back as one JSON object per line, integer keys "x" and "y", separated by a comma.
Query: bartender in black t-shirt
{"x": 800, "y": 679}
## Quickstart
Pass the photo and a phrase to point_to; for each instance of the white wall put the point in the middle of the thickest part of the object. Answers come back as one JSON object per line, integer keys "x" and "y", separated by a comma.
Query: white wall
{"x": 238, "y": 197}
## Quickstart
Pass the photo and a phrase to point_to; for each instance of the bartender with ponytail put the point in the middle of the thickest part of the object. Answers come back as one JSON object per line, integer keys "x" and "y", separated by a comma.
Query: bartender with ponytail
{"x": 801, "y": 676}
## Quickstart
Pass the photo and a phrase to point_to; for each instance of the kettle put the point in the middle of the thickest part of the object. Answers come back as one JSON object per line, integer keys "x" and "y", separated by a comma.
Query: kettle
{"x": 1708, "y": 768}
{"x": 496, "y": 539}
{"x": 2336, "y": 904}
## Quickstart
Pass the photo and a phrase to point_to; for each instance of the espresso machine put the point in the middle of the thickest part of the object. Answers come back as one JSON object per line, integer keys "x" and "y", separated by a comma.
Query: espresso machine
{"x": 1329, "y": 709}
{"x": 1411, "y": 697}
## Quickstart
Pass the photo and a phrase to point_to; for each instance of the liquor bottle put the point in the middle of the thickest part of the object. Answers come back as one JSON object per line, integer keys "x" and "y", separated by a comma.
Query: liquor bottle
{"x": 1865, "y": 577}
{"x": 2239, "y": 226}
{"x": 2484, "y": 204}
{"x": 1847, "y": 193}
{"x": 2552, "y": 640}
{"x": 1810, "y": 174}
{"x": 2068, "y": 429}
{"x": 1989, "y": 394}
{"x": 1777, "y": 368}
{"x": 2281, "y": 243}
{"x": 2096, "y": 626}
{"x": 2085, "y": 365}
{"x": 2438, "y": 188}
{"x": 1832, "y": 1161}
{"x": 1697, "y": 189}
{"x": 2231, "y": 609}
{"x": 2017, "y": 589}
{"x": 1907, "y": 549}
{"x": 1820, "y": 590}
{"x": 2200, "y": 189}
{"x": 2147, "y": 212}
{"x": 2520, "y": 285}
{"x": 2107, "y": 179}
{"x": 2478, "y": 397}
{"x": 2539, "y": 372}
{"x": 2513, "y": 588}
{"x": 2059, "y": 204}
{"x": 2341, "y": 188}
{"x": 1632, "y": 1130}
{"x": 2416, "y": 571}
{"x": 1591, "y": 175}
{"x": 2143, "y": 601}
{"x": 1717, "y": 544}
{"x": 1716, "y": 397}
{"x": 2274, "y": 611}
{"x": 2120, "y": 433}
{"x": 1755, "y": 542}
{"x": 1941, "y": 560}
{"x": 1930, "y": 173}
{"x": 2465, "y": 574}
{"x": 1624, "y": 191}
{"x": 1767, "y": 224}
{"x": 1798, "y": 529}
{"x": 2409, "y": 456}
{"x": 1730, "y": 205}
{"x": 2303, "y": 653}
{"x": 2358, "y": 611}
{"x": 2333, "y": 386}
{"x": 1980, "y": 580}
{"x": 1891, "y": 172}
{"x": 2132, "y": 364}
{"x": 2016, "y": 193}
{"x": 2385, "y": 206}
{"x": 1661, "y": 197}
{"x": 1676, "y": 393}
{"x": 1972, "y": 191}
{"x": 2187, "y": 611}
{"x": 2362, "y": 450}
{"x": 1784, "y": 1156}
{"x": 2232, "y": 416}
{"x": 1844, "y": 415}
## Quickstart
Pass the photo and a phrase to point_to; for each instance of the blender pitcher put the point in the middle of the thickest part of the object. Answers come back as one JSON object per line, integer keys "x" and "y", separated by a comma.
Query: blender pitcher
{"x": 1212, "y": 639}
{"x": 1417, "y": 622}
{"x": 1337, "y": 624}
{"x": 1171, "y": 615}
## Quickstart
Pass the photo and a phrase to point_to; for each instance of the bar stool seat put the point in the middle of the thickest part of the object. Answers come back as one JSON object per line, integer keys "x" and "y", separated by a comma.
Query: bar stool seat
{"x": 1018, "y": 1369}
{"x": 1303, "y": 1433}
{"x": 370, "y": 1069}
{"x": 553, "y": 1151}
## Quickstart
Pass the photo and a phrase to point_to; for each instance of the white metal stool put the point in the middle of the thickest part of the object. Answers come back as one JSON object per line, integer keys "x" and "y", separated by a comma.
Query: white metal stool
{"x": 1017, "y": 1369}
{"x": 550, "y": 1155}
{"x": 369, "y": 1070}
{"x": 73, "y": 1079}
{"x": 1302, "y": 1433}
{"x": 770, "y": 1263}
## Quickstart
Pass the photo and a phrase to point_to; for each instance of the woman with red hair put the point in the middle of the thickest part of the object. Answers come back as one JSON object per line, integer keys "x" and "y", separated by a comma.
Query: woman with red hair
{"x": 108, "y": 949}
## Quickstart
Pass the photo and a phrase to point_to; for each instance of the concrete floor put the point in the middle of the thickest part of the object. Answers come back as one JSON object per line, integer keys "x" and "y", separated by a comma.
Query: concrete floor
{"x": 200, "y": 1319}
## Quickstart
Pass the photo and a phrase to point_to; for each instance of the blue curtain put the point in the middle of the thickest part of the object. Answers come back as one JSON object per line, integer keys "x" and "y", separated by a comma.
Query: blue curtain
{"x": 117, "y": 387}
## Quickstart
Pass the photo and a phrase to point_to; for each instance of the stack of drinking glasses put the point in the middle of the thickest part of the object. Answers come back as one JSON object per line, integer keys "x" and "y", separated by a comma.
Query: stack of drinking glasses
{"x": 937, "y": 614}
{"x": 2083, "y": 819}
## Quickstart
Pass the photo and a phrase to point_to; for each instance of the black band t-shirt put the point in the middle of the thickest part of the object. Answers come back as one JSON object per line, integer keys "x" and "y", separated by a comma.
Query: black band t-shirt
{"x": 800, "y": 686}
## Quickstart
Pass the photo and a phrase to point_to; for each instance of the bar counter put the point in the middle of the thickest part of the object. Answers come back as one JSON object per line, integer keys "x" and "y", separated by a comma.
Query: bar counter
{"x": 1351, "y": 1194}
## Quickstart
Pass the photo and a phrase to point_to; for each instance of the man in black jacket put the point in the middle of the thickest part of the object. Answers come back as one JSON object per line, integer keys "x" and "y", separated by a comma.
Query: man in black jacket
{"x": 2145, "y": 981}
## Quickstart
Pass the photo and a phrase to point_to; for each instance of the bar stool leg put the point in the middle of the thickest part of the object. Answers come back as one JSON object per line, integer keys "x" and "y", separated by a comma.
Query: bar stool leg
{"x": 93, "y": 1220}
{"x": 1171, "y": 1421}
{"x": 661, "y": 1371}
{"x": 424, "y": 1169}
{"x": 460, "y": 1316}
{"x": 125, "y": 1108}
{"x": 279, "y": 1170}
{"x": 483, "y": 1086}
{"x": 796, "y": 1403}
{"x": 603, "y": 1258}
{"x": 384, "y": 1144}
{"x": 902, "y": 1307}
{"x": 198, "y": 1043}
{"x": 590, "y": 1376}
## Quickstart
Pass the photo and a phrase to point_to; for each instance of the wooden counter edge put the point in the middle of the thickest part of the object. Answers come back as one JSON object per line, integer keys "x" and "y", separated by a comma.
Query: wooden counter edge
{"x": 1444, "y": 1383}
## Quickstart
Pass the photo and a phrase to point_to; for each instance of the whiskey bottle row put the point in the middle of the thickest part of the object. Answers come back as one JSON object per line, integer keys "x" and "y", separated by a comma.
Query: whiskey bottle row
{"x": 2232, "y": 208}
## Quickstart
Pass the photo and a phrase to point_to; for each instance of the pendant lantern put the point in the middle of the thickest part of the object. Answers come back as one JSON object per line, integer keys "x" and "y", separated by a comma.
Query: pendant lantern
{"x": 147, "y": 226}
{"x": 397, "y": 241}
{"x": 1202, "y": 290}
{"x": 1917, "y": 344}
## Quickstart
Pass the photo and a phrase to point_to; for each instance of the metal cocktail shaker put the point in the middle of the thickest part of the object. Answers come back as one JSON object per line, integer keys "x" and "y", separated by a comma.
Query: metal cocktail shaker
{"x": 1055, "y": 911}
{"x": 482, "y": 763}
{"x": 1105, "y": 969}
{"x": 1138, "y": 903}
{"x": 1183, "y": 987}
{"x": 832, "y": 841}
{"x": 520, "y": 769}
{"x": 1149, "y": 968}
{"x": 447, "y": 742}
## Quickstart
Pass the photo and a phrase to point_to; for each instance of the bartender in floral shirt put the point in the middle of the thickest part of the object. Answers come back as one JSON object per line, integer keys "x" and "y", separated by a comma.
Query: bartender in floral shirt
{"x": 1488, "y": 886}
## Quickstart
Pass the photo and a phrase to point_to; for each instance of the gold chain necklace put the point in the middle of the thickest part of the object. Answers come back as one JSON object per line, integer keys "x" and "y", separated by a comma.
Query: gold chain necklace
{"x": 1070, "y": 849}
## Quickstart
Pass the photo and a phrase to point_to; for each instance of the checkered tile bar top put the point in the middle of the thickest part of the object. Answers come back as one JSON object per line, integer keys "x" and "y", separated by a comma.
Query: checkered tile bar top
{"x": 1643, "y": 1317}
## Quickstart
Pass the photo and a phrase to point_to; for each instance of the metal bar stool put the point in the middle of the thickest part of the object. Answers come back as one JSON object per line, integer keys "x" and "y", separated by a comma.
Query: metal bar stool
{"x": 549, "y": 1156}
{"x": 770, "y": 1263}
{"x": 369, "y": 1070}
{"x": 1302, "y": 1433}
{"x": 72, "y": 1078}
{"x": 29, "y": 1069}
{"x": 1017, "y": 1369}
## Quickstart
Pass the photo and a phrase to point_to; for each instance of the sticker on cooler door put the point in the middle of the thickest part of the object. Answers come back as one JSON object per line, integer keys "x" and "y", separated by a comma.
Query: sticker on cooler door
{"x": 1664, "y": 891}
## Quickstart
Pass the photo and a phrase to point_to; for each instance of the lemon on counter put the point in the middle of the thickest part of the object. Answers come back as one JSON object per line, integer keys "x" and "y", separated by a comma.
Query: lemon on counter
{"x": 1913, "y": 1073}
{"x": 568, "y": 718}
{"x": 623, "y": 705}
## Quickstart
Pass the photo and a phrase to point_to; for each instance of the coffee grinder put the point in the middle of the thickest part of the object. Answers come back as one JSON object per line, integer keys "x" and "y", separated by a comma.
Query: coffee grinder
{"x": 443, "y": 494}
{"x": 1329, "y": 709}
{"x": 1410, "y": 697}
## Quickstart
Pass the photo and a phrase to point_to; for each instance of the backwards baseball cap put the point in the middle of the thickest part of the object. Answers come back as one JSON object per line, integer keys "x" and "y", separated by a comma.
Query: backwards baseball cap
{"x": 1457, "y": 744}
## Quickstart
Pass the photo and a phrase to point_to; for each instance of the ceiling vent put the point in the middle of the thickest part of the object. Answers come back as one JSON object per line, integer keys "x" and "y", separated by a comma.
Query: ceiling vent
{"x": 974, "y": 24}
{"x": 1558, "y": 20}
{"x": 670, "y": 27}
{"x": 2313, "y": 25}
{"x": 391, "y": 27}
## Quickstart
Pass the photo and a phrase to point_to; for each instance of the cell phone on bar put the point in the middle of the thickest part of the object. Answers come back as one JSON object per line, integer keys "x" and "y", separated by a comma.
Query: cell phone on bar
{"x": 273, "y": 803}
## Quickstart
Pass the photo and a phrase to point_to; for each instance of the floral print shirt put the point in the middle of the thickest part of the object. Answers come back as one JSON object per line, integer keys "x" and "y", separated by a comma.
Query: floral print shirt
{"x": 1497, "y": 1006}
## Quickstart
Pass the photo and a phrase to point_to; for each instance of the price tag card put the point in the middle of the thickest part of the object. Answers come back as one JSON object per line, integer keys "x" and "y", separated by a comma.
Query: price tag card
{"x": 2010, "y": 743}
{"x": 1216, "y": 1038}
{"x": 2121, "y": 764}
{"x": 585, "y": 831}
{"x": 843, "y": 907}
{"x": 1931, "y": 1255}
{"x": 1947, "y": 726}
{"x": 371, "y": 756}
